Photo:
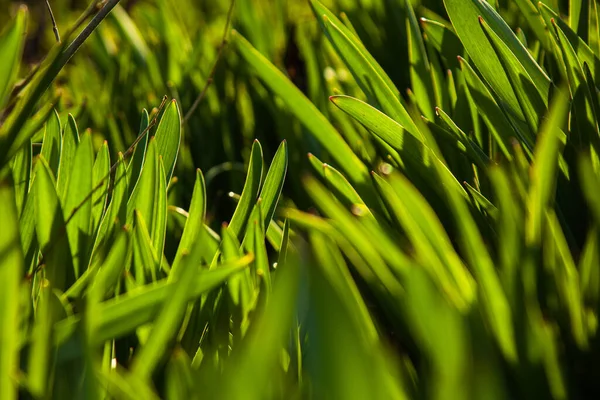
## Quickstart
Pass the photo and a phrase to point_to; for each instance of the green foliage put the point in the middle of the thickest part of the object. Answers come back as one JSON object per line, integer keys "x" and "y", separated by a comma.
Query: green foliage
{"x": 243, "y": 250}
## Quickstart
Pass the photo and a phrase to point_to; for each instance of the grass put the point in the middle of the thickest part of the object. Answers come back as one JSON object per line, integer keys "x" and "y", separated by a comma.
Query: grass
{"x": 347, "y": 199}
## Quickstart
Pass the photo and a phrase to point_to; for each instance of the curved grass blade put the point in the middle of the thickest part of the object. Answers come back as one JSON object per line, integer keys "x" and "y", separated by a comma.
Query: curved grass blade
{"x": 315, "y": 122}
{"x": 490, "y": 110}
{"x": 370, "y": 81}
{"x": 463, "y": 15}
{"x": 169, "y": 319}
{"x": 122, "y": 315}
{"x": 531, "y": 94}
{"x": 443, "y": 40}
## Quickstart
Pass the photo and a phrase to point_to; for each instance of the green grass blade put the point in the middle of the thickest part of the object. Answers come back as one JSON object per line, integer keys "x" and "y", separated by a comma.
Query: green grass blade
{"x": 250, "y": 191}
{"x": 134, "y": 167}
{"x": 420, "y": 70}
{"x": 271, "y": 189}
{"x": 21, "y": 174}
{"x": 168, "y": 138}
{"x": 169, "y": 319}
{"x": 443, "y": 40}
{"x": 315, "y": 122}
{"x": 463, "y": 15}
{"x": 193, "y": 230}
{"x": 100, "y": 180}
{"x": 79, "y": 229}
{"x": 11, "y": 272}
{"x": 51, "y": 146}
{"x": 11, "y": 49}
{"x": 531, "y": 94}
{"x": 50, "y": 228}
{"x": 70, "y": 142}
{"x": 366, "y": 75}
{"x": 145, "y": 262}
{"x": 489, "y": 109}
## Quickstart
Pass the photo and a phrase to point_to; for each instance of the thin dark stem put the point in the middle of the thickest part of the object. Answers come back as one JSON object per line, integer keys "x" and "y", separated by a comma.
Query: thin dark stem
{"x": 48, "y": 77}
{"x": 54, "y": 27}
{"x": 213, "y": 70}
{"x": 91, "y": 10}
{"x": 98, "y": 186}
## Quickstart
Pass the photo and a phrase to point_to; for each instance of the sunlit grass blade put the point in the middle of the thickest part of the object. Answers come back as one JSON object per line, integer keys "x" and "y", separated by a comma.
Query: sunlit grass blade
{"x": 52, "y": 143}
{"x": 193, "y": 232}
{"x": 169, "y": 318}
{"x": 79, "y": 229}
{"x": 320, "y": 128}
{"x": 11, "y": 49}
{"x": 490, "y": 110}
{"x": 21, "y": 175}
{"x": 428, "y": 238}
{"x": 168, "y": 137}
{"x": 263, "y": 343}
{"x": 145, "y": 262}
{"x": 463, "y": 15}
{"x": 531, "y": 94}
{"x": 50, "y": 228}
{"x": 100, "y": 185}
{"x": 543, "y": 175}
{"x": 273, "y": 185}
{"x": 70, "y": 142}
{"x": 420, "y": 74}
{"x": 122, "y": 315}
{"x": 378, "y": 91}
{"x": 134, "y": 167}
{"x": 250, "y": 191}
{"x": 443, "y": 40}
{"x": 11, "y": 272}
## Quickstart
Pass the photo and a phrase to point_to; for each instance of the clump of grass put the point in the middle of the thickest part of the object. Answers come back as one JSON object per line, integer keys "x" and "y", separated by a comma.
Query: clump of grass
{"x": 438, "y": 242}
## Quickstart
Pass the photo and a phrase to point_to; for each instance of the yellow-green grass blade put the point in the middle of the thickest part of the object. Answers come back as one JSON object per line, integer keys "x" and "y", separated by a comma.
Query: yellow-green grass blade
{"x": 52, "y": 143}
{"x": 70, "y": 142}
{"x": 21, "y": 175}
{"x": 531, "y": 94}
{"x": 134, "y": 167}
{"x": 273, "y": 185}
{"x": 169, "y": 319}
{"x": 122, "y": 315}
{"x": 11, "y": 272}
{"x": 12, "y": 41}
{"x": 50, "y": 228}
{"x": 100, "y": 185}
{"x": 193, "y": 231}
{"x": 250, "y": 191}
{"x": 168, "y": 137}
{"x": 79, "y": 228}
{"x": 464, "y": 15}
